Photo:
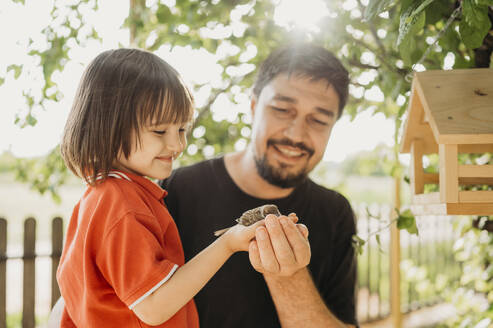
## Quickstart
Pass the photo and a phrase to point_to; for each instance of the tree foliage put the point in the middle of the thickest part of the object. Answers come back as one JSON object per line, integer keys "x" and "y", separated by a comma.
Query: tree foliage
{"x": 380, "y": 41}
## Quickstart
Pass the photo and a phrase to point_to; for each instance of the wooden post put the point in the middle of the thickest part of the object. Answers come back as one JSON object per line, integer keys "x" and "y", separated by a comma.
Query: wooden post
{"x": 395, "y": 260}
{"x": 3, "y": 273}
{"x": 449, "y": 175}
{"x": 28, "y": 288}
{"x": 56, "y": 252}
{"x": 416, "y": 167}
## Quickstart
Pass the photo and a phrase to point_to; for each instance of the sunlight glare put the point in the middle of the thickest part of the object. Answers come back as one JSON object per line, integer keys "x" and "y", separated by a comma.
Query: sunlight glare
{"x": 302, "y": 14}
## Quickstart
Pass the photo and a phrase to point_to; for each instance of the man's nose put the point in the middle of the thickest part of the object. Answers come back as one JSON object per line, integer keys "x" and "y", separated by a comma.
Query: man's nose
{"x": 296, "y": 130}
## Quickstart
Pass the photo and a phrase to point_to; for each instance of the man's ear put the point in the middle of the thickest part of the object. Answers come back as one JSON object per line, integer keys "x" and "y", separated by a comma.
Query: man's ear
{"x": 253, "y": 104}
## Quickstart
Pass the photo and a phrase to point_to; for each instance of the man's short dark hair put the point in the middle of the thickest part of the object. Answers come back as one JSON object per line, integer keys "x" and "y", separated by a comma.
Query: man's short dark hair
{"x": 306, "y": 60}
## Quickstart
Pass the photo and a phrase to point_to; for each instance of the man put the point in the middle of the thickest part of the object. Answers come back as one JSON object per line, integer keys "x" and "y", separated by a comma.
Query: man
{"x": 298, "y": 96}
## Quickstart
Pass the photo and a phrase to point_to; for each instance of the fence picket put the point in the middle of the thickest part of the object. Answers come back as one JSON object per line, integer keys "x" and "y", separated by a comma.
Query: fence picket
{"x": 56, "y": 252}
{"x": 28, "y": 294}
{"x": 3, "y": 273}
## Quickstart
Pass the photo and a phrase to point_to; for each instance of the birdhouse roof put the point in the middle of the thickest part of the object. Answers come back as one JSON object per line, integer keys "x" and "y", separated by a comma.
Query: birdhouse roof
{"x": 457, "y": 105}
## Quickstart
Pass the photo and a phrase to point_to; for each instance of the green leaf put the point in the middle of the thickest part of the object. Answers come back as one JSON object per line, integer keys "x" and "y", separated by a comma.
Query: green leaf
{"x": 437, "y": 11}
{"x": 358, "y": 244}
{"x": 2, "y": 80}
{"x": 31, "y": 120}
{"x": 368, "y": 213}
{"x": 474, "y": 24}
{"x": 377, "y": 238}
{"x": 484, "y": 2}
{"x": 407, "y": 221}
{"x": 376, "y": 7}
{"x": 411, "y": 22}
{"x": 17, "y": 70}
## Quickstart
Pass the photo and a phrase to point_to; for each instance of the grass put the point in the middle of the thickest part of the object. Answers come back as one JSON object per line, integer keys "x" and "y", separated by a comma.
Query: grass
{"x": 15, "y": 320}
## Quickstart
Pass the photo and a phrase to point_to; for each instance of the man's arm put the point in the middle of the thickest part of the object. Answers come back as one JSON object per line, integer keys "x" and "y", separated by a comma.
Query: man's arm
{"x": 298, "y": 302}
{"x": 281, "y": 252}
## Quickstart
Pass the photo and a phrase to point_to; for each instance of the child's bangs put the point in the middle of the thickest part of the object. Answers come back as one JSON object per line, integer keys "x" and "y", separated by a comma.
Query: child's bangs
{"x": 173, "y": 105}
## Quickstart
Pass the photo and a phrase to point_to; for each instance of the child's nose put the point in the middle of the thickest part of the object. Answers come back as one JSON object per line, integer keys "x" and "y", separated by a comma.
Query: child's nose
{"x": 175, "y": 142}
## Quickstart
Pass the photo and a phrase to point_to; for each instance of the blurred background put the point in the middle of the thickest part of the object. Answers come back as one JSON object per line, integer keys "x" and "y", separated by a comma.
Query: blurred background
{"x": 445, "y": 271}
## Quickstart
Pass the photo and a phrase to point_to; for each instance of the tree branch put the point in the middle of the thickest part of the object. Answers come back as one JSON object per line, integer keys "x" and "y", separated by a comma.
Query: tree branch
{"x": 382, "y": 59}
{"x": 359, "y": 64}
{"x": 373, "y": 31}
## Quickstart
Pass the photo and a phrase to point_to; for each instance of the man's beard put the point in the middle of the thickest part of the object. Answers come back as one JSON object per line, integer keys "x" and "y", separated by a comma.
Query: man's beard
{"x": 274, "y": 175}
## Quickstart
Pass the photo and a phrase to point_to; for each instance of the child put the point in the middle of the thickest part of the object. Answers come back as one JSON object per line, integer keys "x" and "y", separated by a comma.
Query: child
{"x": 123, "y": 264}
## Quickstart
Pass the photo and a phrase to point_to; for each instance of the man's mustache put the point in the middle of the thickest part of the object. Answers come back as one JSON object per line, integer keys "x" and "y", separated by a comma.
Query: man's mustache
{"x": 287, "y": 142}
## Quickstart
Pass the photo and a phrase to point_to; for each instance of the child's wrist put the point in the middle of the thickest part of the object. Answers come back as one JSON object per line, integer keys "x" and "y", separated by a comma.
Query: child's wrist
{"x": 225, "y": 242}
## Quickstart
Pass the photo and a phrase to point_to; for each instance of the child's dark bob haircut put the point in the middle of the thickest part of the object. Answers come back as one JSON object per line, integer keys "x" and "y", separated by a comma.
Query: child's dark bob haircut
{"x": 120, "y": 91}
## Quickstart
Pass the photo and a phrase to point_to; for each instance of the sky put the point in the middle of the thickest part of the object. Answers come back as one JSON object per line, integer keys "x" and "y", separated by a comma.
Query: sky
{"x": 196, "y": 66}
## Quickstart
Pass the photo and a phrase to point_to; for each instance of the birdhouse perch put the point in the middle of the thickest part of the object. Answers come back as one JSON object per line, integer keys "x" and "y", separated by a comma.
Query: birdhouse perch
{"x": 450, "y": 112}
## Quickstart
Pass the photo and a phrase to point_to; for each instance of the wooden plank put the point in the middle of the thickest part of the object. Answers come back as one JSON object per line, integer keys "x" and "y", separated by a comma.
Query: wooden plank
{"x": 475, "y": 148}
{"x": 416, "y": 167}
{"x": 28, "y": 289}
{"x": 478, "y": 196}
{"x": 470, "y": 209}
{"x": 3, "y": 273}
{"x": 478, "y": 138}
{"x": 430, "y": 146}
{"x": 458, "y": 103}
{"x": 464, "y": 181}
{"x": 431, "y": 178}
{"x": 476, "y": 171}
{"x": 412, "y": 122}
{"x": 56, "y": 253}
{"x": 448, "y": 171}
{"x": 453, "y": 209}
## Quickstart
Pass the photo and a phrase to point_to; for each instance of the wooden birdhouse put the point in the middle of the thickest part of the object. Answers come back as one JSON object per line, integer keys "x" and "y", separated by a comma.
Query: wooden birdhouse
{"x": 450, "y": 112}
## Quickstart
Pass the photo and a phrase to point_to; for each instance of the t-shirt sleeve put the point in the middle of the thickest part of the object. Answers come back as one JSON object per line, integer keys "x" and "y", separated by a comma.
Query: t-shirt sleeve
{"x": 132, "y": 259}
{"x": 342, "y": 291}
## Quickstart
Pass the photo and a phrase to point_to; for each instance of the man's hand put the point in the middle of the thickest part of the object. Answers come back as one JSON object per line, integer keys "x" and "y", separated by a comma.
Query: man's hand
{"x": 281, "y": 247}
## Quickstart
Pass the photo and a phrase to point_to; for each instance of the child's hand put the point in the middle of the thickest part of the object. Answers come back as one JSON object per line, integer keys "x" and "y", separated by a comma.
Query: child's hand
{"x": 238, "y": 237}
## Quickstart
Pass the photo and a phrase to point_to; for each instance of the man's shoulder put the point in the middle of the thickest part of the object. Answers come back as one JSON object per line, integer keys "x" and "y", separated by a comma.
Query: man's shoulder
{"x": 322, "y": 193}
{"x": 331, "y": 202}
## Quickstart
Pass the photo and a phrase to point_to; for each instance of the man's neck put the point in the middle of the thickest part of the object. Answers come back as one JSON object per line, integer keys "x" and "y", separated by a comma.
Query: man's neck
{"x": 241, "y": 167}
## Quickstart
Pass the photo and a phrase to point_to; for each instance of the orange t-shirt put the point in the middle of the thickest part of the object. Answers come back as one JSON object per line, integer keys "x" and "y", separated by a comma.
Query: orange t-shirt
{"x": 121, "y": 245}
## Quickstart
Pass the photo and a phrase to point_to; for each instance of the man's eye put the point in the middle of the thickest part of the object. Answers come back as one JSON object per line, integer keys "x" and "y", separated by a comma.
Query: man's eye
{"x": 320, "y": 122}
{"x": 160, "y": 132}
{"x": 280, "y": 110}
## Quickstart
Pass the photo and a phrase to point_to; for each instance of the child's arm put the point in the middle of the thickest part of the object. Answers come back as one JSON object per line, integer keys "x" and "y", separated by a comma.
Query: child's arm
{"x": 187, "y": 281}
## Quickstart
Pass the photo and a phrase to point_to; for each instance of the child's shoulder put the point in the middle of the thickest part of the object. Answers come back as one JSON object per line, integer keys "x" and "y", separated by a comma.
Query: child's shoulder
{"x": 116, "y": 194}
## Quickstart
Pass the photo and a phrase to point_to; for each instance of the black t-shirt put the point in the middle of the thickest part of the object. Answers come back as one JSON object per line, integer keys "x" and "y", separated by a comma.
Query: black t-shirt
{"x": 203, "y": 198}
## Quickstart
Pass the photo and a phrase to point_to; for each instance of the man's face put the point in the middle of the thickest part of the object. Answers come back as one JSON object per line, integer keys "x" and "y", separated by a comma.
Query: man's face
{"x": 292, "y": 120}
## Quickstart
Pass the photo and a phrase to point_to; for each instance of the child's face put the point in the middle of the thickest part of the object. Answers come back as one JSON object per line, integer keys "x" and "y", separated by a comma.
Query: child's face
{"x": 159, "y": 146}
